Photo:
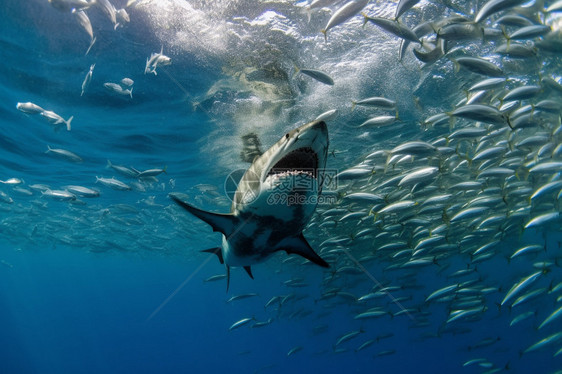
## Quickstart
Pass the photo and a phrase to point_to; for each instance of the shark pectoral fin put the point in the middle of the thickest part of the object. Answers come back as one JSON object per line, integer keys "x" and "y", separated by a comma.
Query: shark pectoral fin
{"x": 224, "y": 223}
{"x": 217, "y": 251}
{"x": 249, "y": 271}
{"x": 298, "y": 245}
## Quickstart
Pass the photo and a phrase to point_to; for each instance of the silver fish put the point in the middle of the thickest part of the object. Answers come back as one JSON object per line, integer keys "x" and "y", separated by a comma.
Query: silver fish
{"x": 113, "y": 183}
{"x": 318, "y": 75}
{"x": 116, "y": 88}
{"x": 394, "y": 27}
{"x": 478, "y": 65}
{"x": 64, "y": 154}
{"x": 87, "y": 79}
{"x": 494, "y": 6}
{"x": 55, "y": 119}
{"x": 343, "y": 14}
{"x": 29, "y": 108}
{"x": 84, "y": 21}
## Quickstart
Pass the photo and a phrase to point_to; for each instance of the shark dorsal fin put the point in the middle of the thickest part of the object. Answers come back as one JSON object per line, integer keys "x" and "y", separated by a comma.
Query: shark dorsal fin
{"x": 298, "y": 245}
{"x": 224, "y": 223}
{"x": 249, "y": 271}
{"x": 217, "y": 251}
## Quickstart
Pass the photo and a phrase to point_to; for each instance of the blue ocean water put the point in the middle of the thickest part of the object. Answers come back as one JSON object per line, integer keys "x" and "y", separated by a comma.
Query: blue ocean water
{"x": 117, "y": 283}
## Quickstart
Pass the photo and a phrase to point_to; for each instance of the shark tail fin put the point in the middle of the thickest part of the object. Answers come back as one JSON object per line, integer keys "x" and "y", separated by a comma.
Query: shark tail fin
{"x": 217, "y": 251}
{"x": 298, "y": 245}
{"x": 224, "y": 223}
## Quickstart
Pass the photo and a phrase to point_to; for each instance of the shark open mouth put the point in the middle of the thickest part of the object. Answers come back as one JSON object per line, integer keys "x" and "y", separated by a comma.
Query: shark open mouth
{"x": 300, "y": 161}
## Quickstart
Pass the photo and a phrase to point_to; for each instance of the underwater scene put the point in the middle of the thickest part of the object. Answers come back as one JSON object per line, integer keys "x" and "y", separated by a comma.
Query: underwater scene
{"x": 315, "y": 186}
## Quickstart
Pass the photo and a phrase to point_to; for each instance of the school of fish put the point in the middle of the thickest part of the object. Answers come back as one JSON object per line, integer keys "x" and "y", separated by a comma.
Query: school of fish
{"x": 469, "y": 198}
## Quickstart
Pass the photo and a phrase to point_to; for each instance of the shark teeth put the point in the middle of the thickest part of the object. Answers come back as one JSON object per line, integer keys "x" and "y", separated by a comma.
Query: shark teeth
{"x": 285, "y": 173}
{"x": 300, "y": 161}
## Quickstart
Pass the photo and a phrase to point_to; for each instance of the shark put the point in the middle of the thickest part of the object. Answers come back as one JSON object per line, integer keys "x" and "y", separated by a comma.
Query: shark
{"x": 273, "y": 203}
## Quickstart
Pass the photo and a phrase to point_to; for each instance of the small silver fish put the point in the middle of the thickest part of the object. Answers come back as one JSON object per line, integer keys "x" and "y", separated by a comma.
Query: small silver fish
{"x": 12, "y": 181}
{"x": 113, "y": 183}
{"x": 123, "y": 170}
{"x": 55, "y": 119}
{"x": 84, "y": 21}
{"x": 115, "y": 88}
{"x": 239, "y": 323}
{"x": 127, "y": 82}
{"x": 29, "y": 108}
{"x": 87, "y": 79}
{"x": 394, "y": 27}
{"x": 319, "y": 75}
{"x": 59, "y": 195}
{"x": 82, "y": 191}
{"x": 347, "y": 11}
{"x": 494, "y": 6}
{"x": 151, "y": 173}
{"x": 63, "y": 153}
{"x": 478, "y": 65}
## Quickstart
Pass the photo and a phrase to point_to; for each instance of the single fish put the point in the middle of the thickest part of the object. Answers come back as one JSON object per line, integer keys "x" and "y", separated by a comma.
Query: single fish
{"x": 327, "y": 116}
{"x": 376, "y": 102}
{"x": 215, "y": 278}
{"x": 12, "y": 181}
{"x": 56, "y": 120}
{"x": 318, "y": 75}
{"x": 530, "y": 32}
{"x": 155, "y": 60}
{"x": 84, "y": 21}
{"x": 123, "y": 170}
{"x": 127, "y": 82}
{"x": 348, "y": 336}
{"x": 494, "y": 6}
{"x": 294, "y": 350}
{"x": 117, "y": 89}
{"x": 520, "y": 286}
{"x": 544, "y": 342}
{"x": 113, "y": 183}
{"x": 542, "y": 219}
{"x": 241, "y": 297}
{"x": 480, "y": 112}
{"x": 64, "y": 154}
{"x": 82, "y": 191}
{"x": 478, "y": 65}
{"x": 394, "y": 27}
{"x": 29, "y": 108}
{"x": 403, "y": 6}
{"x": 87, "y": 79}
{"x": 242, "y": 322}
{"x": 60, "y": 195}
{"x": 347, "y": 11}
{"x": 151, "y": 173}
{"x": 5, "y": 198}
{"x": 106, "y": 7}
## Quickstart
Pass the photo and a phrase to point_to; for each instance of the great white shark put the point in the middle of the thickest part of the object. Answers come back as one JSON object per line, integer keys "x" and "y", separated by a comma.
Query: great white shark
{"x": 273, "y": 203}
